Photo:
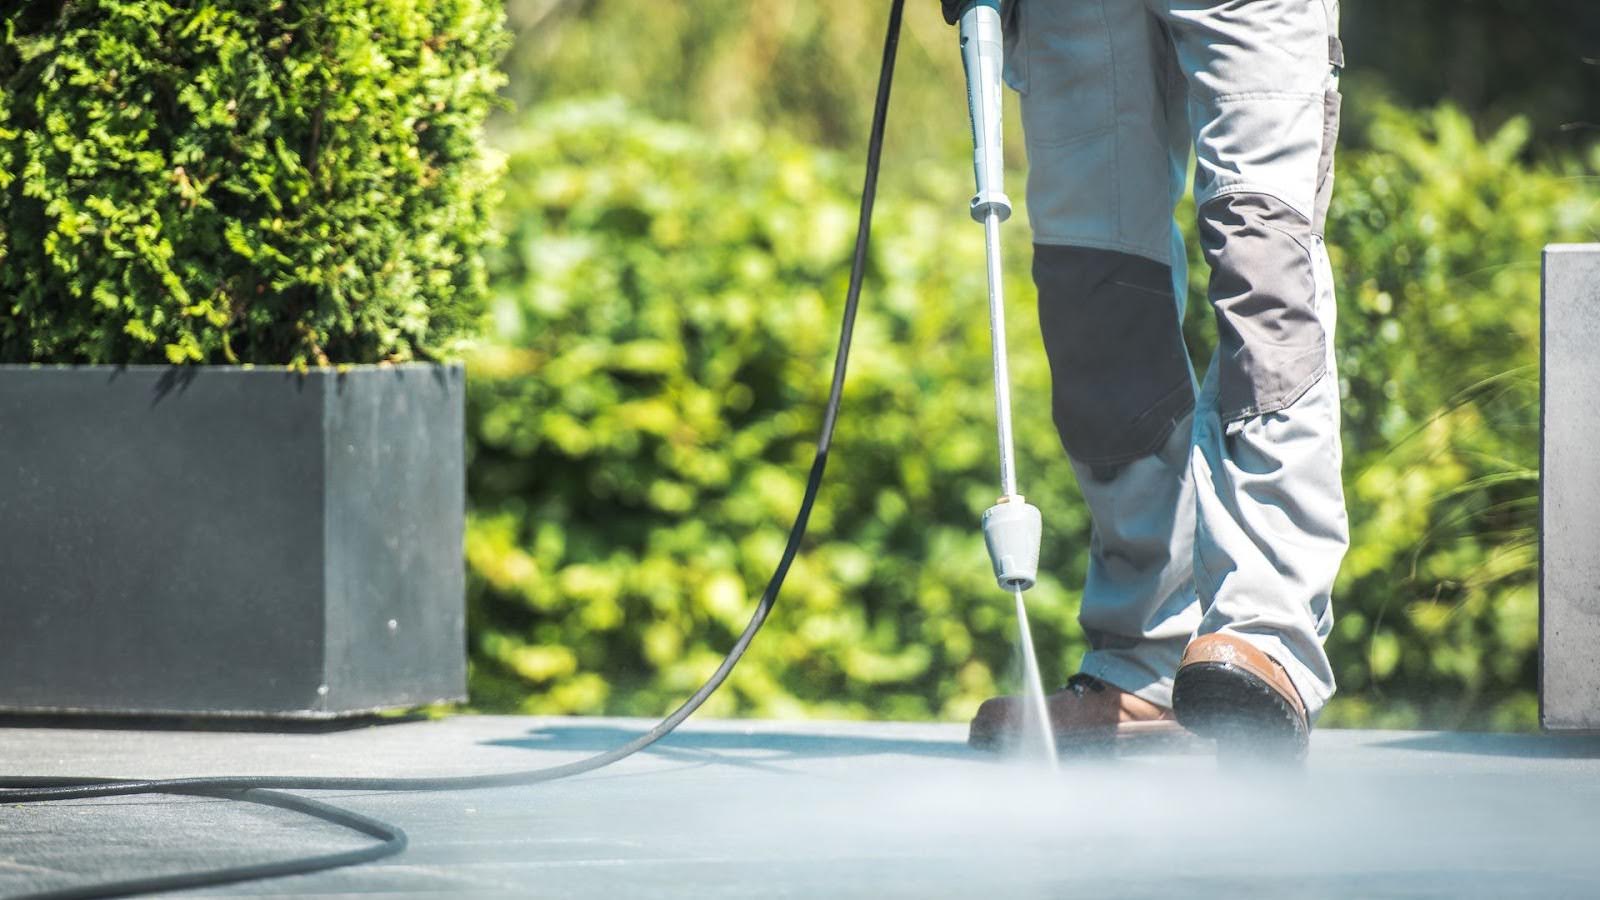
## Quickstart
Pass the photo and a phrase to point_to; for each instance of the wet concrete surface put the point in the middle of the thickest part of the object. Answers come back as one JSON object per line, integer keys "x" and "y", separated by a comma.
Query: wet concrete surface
{"x": 794, "y": 809}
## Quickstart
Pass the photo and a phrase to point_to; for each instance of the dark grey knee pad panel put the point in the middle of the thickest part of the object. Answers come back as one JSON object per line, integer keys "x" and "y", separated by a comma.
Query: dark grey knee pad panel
{"x": 1121, "y": 378}
{"x": 1270, "y": 344}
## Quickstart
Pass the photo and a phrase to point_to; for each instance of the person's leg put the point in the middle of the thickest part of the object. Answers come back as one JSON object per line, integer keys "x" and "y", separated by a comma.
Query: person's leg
{"x": 1107, "y": 152}
{"x": 1263, "y": 102}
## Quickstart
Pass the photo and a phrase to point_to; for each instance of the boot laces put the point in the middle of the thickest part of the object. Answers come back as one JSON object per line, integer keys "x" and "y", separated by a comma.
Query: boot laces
{"x": 1082, "y": 683}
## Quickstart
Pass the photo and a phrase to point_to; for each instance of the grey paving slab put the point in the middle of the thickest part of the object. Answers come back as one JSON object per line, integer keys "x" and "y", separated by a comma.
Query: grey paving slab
{"x": 780, "y": 809}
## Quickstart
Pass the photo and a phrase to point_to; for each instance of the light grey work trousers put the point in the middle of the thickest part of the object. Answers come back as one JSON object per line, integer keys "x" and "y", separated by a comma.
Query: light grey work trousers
{"x": 1216, "y": 507}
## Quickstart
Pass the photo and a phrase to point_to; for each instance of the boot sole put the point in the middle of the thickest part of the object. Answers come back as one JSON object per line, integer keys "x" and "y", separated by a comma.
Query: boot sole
{"x": 1244, "y": 714}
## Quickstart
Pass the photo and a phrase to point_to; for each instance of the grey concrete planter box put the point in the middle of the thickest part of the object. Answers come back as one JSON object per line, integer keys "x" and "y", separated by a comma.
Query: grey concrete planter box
{"x": 231, "y": 541}
{"x": 1569, "y": 490}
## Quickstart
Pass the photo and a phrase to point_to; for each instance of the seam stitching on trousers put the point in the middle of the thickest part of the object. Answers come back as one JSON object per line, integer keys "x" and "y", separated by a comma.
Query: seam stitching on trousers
{"x": 1086, "y": 243}
{"x": 1046, "y": 143}
{"x": 1206, "y": 584}
{"x": 1236, "y": 96}
{"x": 1156, "y": 443}
{"x": 1245, "y": 187}
{"x": 1289, "y": 399}
{"x": 1139, "y": 287}
{"x": 1116, "y": 104}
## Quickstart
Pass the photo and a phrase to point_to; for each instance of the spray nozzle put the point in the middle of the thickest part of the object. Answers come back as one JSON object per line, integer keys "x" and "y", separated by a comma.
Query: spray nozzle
{"x": 1013, "y": 529}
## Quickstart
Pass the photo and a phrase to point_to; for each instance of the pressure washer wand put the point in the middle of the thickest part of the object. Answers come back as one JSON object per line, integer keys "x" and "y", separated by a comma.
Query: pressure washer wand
{"x": 1012, "y": 528}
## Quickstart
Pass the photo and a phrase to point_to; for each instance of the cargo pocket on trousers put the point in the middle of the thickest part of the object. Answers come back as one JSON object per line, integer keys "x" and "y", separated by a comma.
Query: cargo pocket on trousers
{"x": 1065, "y": 46}
{"x": 1014, "y": 67}
{"x": 1331, "y": 101}
{"x": 1271, "y": 347}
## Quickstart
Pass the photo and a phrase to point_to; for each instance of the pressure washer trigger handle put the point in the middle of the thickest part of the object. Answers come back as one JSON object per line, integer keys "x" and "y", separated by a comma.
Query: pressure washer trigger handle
{"x": 982, "y": 54}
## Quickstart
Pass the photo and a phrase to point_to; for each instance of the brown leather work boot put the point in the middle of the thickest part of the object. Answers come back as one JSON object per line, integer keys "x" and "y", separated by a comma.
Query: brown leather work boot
{"x": 1087, "y": 712}
{"x": 1228, "y": 690}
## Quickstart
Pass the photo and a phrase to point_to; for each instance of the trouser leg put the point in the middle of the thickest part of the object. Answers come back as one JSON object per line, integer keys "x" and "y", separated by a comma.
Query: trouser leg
{"x": 1123, "y": 397}
{"x": 1269, "y": 501}
{"x": 1107, "y": 149}
{"x": 1139, "y": 607}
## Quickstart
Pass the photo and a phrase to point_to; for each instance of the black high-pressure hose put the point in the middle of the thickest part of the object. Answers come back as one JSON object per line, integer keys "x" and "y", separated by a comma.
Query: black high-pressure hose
{"x": 267, "y": 790}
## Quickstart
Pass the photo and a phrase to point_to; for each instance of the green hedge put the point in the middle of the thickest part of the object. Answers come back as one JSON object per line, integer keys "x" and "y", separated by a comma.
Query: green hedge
{"x": 243, "y": 181}
{"x": 665, "y": 311}
{"x": 668, "y": 308}
{"x": 1436, "y": 235}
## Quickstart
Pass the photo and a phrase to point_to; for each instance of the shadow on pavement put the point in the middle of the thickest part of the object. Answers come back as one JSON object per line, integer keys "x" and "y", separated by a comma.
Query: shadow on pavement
{"x": 1524, "y": 746}
{"x": 98, "y": 722}
{"x": 781, "y": 745}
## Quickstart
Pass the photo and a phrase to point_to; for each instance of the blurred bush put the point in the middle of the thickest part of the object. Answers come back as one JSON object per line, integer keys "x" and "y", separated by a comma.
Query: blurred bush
{"x": 1436, "y": 237}
{"x": 665, "y": 313}
{"x": 808, "y": 67}
{"x": 233, "y": 181}
{"x": 667, "y": 309}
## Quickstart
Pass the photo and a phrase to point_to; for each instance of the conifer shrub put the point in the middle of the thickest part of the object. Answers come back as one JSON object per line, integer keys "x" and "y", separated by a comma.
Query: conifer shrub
{"x": 253, "y": 181}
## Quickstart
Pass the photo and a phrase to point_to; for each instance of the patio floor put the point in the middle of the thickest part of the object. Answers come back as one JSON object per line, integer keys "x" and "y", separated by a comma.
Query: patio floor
{"x": 792, "y": 809}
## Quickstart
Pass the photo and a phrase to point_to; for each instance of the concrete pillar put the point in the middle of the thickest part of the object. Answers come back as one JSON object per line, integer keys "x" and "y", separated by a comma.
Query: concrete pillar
{"x": 1569, "y": 509}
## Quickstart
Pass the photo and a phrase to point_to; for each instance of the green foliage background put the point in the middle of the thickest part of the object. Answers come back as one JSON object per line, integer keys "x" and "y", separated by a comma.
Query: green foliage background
{"x": 239, "y": 181}
{"x": 305, "y": 183}
{"x": 665, "y": 307}
{"x": 669, "y": 303}
{"x": 1436, "y": 236}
